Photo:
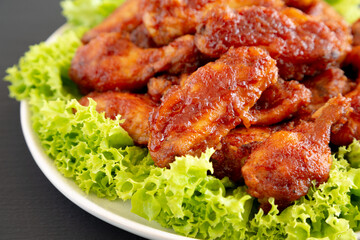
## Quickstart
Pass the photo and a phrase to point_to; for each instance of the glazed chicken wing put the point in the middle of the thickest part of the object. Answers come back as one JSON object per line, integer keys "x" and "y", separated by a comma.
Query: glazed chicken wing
{"x": 134, "y": 108}
{"x": 286, "y": 163}
{"x": 168, "y": 19}
{"x": 290, "y": 36}
{"x": 213, "y": 100}
{"x": 110, "y": 62}
{"x": 235, "y": 149}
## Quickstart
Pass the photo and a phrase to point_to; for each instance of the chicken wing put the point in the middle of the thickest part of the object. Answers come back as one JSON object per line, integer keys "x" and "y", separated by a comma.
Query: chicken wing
{"x": 168, "y": 19}
{"x": 110, "y": 62}
{"x": 124, "y": 19}
{"x": 279, "y": 102}
{"x": 235, "y": 149}
{"x": 213, "y": 100}
{"x": 290, "y": 36}
{"x": 286, "y": 163}
{"x": 134, "y": 108}
{"x": 334, "y": 21}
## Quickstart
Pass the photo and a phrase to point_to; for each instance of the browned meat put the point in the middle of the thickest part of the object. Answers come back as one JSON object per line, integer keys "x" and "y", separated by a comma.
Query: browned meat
{"x": 286, "y": 163}
{"x": 291, "y": 37}
{"x": 110, "y": 62}
{"x": 237, "y": 146}
{"x": 124, "y": 19}
{"x": 168, "y": 19}
{"x": 134, "y": 108}
{"x": 334, "y": 21}
{"x": 213, "y": 100}
{"x": 235, "y": 149}
{"x": 279, "y": 102}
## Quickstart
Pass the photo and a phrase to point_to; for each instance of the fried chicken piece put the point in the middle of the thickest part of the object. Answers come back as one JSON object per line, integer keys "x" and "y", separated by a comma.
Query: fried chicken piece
{"x": 134, "y": 108}
{"x": 168, "y": 19}
{"x": 343, "y": 134}
{"x": 213, "y": 100}
{"x": 158, "y": 86}
{"x": 334, "y": 21}
{"x": 235, "y": 149}
{"x": 238, "y": 145}
{"x": 110, "y": 62}
{"x": 355, "y": 29}
{"x": 301, "y": 44}
{"x": 279, "y": 102}
{"x": 286, "y": 163}
{"x": 124, "y": 19}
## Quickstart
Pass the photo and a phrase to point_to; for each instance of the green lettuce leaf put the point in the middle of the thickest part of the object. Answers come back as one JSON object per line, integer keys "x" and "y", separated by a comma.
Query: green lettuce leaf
{"x": 349, "y": 9}
{"x": 88, "y": 13}
{"x": 43, "y": 70}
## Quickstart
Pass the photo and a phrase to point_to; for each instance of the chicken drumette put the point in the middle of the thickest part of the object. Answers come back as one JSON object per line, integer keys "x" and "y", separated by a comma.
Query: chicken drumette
{"x": 212, "y": 101}
{"x": 286, "y": 163}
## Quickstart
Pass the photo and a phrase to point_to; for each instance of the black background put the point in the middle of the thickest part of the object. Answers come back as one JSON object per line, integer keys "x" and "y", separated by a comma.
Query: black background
{"x": 30, "y": 206}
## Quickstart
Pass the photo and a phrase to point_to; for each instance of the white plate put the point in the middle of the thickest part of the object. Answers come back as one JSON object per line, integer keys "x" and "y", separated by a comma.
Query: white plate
{"x": 116, "y": 212}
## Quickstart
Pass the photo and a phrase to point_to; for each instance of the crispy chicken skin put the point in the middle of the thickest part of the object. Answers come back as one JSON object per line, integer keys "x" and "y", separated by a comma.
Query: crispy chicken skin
{"x": 134, "y": 108}
{"x": 279, "y": 102}
{"x": 286, "y": 163}
{"x": 213, "y": 100}
{"x": 124, "y": 19}
{"x": 290, "y": 36}
{"x": 110, "y": 62}
{"x": 168, "y": 19}
{"x": 334, "y": 21}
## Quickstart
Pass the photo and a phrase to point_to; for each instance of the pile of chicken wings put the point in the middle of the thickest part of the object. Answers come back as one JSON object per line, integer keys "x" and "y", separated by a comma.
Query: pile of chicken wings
{"x": 269, "y": 84}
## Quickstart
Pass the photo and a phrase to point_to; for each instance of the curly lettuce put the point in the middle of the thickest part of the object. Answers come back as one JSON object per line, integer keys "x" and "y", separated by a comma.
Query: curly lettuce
{"x": 349, "y": 9}
{"x": 100, "y": 157}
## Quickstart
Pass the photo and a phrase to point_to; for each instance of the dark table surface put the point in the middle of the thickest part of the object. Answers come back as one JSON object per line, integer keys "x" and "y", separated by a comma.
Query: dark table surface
{"x": 30, "y": 206}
